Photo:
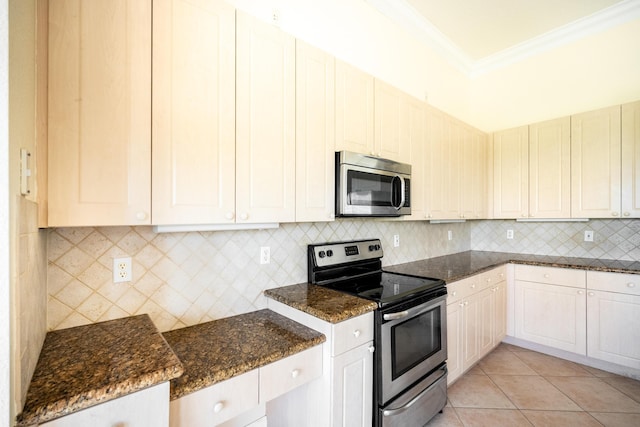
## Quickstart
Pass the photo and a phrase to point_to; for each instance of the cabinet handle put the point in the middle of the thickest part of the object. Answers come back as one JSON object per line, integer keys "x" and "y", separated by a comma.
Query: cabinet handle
{"x": 141, "y": 216}
{"x": 614, "y": 213}
{"x": 473, "y": 286}
{"x": 631, "y": 285}
{"x": 218, "y": 407}
{"x": 229, "y": 215}
{"x": 295, "y": 373}
{"x": 356, "y": 333}
{"x": 244, "y": 216}
{"x": 454, "y": 293}
{"x": 627, "y": 214}
{"x": 371, "y": 349}
{"x": 580, "y": 292}
{"x": 489, "y": 280}
{"x": 591, "y": 294}
{"x": 461, "y": 304}
{"x": 466, "y": 303}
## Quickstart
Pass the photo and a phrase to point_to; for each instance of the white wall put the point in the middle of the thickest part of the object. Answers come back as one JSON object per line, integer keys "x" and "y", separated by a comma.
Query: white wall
{"x": 355, "y": 32}
{"x": 6, "y": 415}
{"x": 597, "y": 71}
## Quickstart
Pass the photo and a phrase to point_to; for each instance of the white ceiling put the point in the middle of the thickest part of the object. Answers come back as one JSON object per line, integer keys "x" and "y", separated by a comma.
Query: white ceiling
{"x": 481, "y": 35}
{"x": 484, "y": 27}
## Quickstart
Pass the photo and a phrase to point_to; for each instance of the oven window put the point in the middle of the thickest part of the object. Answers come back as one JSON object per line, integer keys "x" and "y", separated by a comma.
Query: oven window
{"x": 369, "y": 189}
{"x": 415, "y": 340}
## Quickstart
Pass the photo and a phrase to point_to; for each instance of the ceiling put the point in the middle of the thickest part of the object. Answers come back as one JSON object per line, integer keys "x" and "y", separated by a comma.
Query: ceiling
{"x": 480, "y": 35}
{"x": 484, "y": 27}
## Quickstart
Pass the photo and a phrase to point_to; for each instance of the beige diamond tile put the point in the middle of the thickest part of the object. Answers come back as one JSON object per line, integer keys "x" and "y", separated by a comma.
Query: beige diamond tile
{"x": 617, "y": 420}
{"x": 74, "y": 234}
{"x": 56, "y": 245}
{"x": 594, "y": 395}
{"x": 471, "y": 417}
{"x": 56, "y": 313}
{"x": 57, "y": 279}
{"x": 96, "y": 276}
{"x": 74, "y": 293}
{"x": 74, "y": 261}
{"x": 148, "y": 256}
{"x": 95, "y": 244}
{"x": 559, "y": 418}
{"x": 132, "y": 243}
{"x": 113, "y": 313}
{"x": 131, "y": 301}
{"x": 94, "y": 307}
{"x": 114, "y": 234}
{"x": 73, "y": 320}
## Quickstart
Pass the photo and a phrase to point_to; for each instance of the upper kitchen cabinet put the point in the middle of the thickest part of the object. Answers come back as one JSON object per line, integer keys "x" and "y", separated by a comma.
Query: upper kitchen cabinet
{"x": 511, "y": 173}
{"x": 354, "y": 110}
{"x": 315, "y": 134}
{"x": 596, "y": 164}
{"x": 99, "y": 111}
{"x": 631, "y": 160}
{"x": 265, "y": 122}
{"x": 550, "y": 169}
{"x": 473, "y": 185}
{"x": 440, "y": 152}
{"x": 417, "y": 137}
{"x": 193, "y": 124}
{"x": 391, "y": 108}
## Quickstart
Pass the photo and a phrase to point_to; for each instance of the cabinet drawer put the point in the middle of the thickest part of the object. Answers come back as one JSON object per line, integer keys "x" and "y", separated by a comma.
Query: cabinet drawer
{"x": 284, "y": 375}
{"x": 551, "y": 275}
{"x": 492, "y": 277}
{"x": 463, "y": 288}
{"x": 352, "y": 333}
{"x": 217, "y": 403}
{"x": 614, "y": 282}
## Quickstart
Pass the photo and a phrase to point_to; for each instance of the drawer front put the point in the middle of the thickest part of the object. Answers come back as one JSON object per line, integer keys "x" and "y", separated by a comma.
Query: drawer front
{"x": 282, "y": 376}
{"x": 217, "y": 403}
{"x": 551, "y": 275}
{"x": 352, "y": 333}
{"x": 492, "y": 277}
{"x": 614, "y": 282}
{"x": 463, "y": 288}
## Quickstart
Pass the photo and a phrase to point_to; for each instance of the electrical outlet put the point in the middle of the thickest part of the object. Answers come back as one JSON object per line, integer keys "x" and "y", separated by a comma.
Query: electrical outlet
{"x": 450, "y": 235}
{"x": 121, "y": 270}
{"x": 265, "y": 255}
{"x": 588, "y": 236}
{"x": 509, "y": 234}
{"x": 396, "y": 240}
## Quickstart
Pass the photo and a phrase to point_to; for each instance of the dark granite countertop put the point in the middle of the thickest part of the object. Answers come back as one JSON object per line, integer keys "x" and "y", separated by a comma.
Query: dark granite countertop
{"x": 323, "y": 303}
{"x": 221, "y": 349}
{"x": 458, "y": 266}
{"x": 87, "y": 365}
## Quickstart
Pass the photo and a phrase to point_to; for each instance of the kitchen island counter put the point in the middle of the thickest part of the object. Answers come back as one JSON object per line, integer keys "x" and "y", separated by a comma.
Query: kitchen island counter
{"x": 86, "y": 365}
{"x": 455, "y": 267}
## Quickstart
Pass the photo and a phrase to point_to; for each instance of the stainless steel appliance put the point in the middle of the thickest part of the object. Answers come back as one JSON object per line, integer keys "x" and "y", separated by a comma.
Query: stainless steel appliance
{"x": 371, "y": 186}
{"x": 410, "y": 372}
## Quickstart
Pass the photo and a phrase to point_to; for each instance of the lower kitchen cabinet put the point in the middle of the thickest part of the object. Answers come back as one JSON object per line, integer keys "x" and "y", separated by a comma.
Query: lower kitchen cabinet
{"x": 613, "y": 318}
{"x": 344, "y": 394}
{"x": 145, "y": 408}
{"x": 550, "y": 307}
{"x": 476, "y": 319}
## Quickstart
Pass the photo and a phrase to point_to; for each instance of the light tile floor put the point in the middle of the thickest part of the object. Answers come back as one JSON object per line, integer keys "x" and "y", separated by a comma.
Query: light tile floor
{"x": 513, "y": 386}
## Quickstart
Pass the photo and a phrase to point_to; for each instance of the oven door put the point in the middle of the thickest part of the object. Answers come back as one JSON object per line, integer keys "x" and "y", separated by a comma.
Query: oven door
{"x": 413, "y": 342}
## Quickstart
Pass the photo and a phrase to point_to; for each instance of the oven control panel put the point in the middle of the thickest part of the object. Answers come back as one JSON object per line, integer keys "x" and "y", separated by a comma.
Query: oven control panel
{"x": 330, "y": 254}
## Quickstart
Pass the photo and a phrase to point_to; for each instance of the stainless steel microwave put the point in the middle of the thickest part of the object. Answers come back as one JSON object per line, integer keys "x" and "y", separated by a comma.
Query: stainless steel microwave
{"x": 371, "y": 186}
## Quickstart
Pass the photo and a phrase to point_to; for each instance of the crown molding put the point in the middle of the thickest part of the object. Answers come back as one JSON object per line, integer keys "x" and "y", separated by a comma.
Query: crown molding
{"x": 418, "y": 26}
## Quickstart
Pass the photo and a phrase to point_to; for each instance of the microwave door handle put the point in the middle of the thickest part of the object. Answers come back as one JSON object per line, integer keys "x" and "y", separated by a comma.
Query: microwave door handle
{"x": 402, "y": 187}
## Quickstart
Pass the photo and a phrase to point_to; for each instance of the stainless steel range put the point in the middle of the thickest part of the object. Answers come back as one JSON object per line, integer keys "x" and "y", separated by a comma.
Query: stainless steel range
{"x": 410, "y": 372}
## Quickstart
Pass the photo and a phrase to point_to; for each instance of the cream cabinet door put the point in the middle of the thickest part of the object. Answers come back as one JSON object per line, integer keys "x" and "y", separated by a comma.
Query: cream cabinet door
{"x": 631, "y": 160}
{"x": 265, "y": 122}
{"x": 551, "y": 315}
{"x": 613, "y": 332}
{"x": 193, "y": 123}
{"x": 315, "y": 134}
{"x": 499, "y": 312}
{"x": 550, "y": 169}
{"x": 354, "y": 110}
{"x": 391, "y": 108}
{"x": 511, "y": 173}
{"x": 454, "y": 341}
{"x": 473, "y": 171}
{"x": 99, "y": 141}
{"x": 417, "y": 118}
{"x": 352, "y": 387}
{"x": 595, "y": 164}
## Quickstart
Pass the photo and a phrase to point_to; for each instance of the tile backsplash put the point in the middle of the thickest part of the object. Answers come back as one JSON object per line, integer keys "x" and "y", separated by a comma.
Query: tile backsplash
{"x": 613, "y": 239}
{"x": 182, "y": 279}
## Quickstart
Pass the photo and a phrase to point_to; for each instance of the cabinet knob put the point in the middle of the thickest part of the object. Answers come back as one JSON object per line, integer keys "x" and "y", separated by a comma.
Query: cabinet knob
{"x": 244, "y": 216}
{"x": 580, "y": 292}
{"x": 627, "y": 214}
{"x": 371, "y": 349}
{"x": 615, "y": 213}
{"x": 461, "y": 304}
{"x": 489, "y": 280}
{"x": 453, "y": 294}
{"x": 356, "y": 333}
{"x": 229, "y": 215}
{"x": 473, "y": 286}
{"x": 631, "y": 285}
{"x": 524, "y": 215}
{"x": 141, "y": 216}
{"x": 466, "y": 303}
{"x": 591, "y": 294}
{"x": 218, "y": 407}
{"x": 546, "y": 276}
{"x": 295, "y": 373}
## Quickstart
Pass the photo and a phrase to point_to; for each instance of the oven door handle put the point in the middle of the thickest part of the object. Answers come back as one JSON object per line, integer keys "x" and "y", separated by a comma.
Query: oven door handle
{"x": 391, "y": 412}
{"x": 395, "y": 316}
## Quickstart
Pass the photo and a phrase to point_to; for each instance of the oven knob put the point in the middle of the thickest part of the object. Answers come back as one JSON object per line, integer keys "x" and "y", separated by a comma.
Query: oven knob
{"x": 329, "y": 252}
{"x": 372, "y": 248}
{"x": 377, "y": 247}
{"x": 321, "y": 254}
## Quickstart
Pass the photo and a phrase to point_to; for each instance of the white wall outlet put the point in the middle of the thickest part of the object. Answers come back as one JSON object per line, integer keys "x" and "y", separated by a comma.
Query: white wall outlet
{"x": 509, "y": 234}
{"x": 265, "y": 255}
{"x": 450, "y": 235}
{"x": 588, "y": 236}
{"x": 396, "y": 240}
{"x": 121, "y": 270}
